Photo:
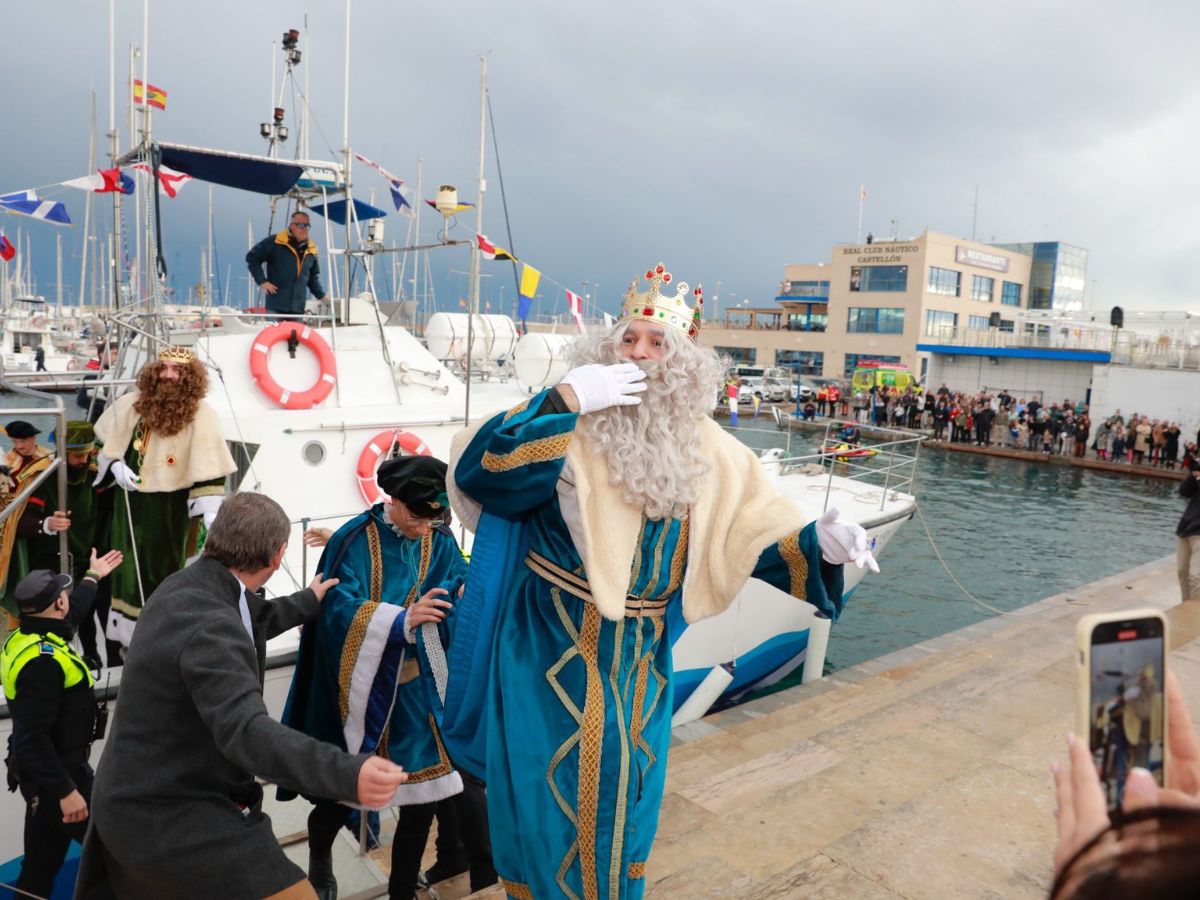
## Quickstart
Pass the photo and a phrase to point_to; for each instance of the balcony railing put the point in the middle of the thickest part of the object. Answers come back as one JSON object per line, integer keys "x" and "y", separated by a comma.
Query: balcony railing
{"x": 1175, "y": 351}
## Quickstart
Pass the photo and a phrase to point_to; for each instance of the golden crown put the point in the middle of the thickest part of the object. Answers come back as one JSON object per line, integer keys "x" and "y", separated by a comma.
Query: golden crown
{"x": 176, "y": 354}
{"x": 653, "y": 306}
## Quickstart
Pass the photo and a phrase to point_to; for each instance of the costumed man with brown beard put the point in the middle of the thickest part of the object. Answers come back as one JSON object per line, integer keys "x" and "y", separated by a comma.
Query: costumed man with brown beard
{"x": 609, "y": 512}
{"x": 163, "y": 446}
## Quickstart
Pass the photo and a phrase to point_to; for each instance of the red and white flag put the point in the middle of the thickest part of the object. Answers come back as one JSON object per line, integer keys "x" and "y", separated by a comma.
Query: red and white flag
{"x": 170, "y": 182}
{"x": 7, "y": 250}
{"x": 575, "y": 303}
{"x": 105, "y": 181}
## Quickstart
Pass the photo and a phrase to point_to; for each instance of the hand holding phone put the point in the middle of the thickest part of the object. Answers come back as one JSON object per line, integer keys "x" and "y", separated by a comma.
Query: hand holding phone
{"x": 1121, "y": 707}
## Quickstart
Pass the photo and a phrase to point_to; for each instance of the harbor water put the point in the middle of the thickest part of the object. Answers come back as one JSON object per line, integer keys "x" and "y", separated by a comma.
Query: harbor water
{"x": 1012, "y": 532}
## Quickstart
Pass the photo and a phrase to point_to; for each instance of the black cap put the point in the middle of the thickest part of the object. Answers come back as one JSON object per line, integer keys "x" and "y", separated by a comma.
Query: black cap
{"x": 39, "y": 589}
{"x": 21, "y": 429}
{"x": 419, "y": 482}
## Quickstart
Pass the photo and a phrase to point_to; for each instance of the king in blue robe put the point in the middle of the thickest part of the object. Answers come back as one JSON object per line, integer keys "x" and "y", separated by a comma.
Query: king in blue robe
{"x": 576, "y": 703}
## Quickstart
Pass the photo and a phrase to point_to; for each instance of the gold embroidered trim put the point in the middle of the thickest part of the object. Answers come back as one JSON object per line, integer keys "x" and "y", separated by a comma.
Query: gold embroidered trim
{"x": 656, "y": 571}
{"x": 212, "y": 490}
{"x": 438, "y": 769}
{"x": 590, "y": 746}
{"x": 516, "y": 890}
{"x": 126, "y": 608}
{"x": 516, "y": 410}
{"x": 637, "y": 870}
{"x": 538, "y": 451}
{"x": 376, "y": 550}
{"x": 617, "y": 845}
{"x": 679, "y": 558}
{"x": 354, "y": 639}
{"x": 789, "y": 549}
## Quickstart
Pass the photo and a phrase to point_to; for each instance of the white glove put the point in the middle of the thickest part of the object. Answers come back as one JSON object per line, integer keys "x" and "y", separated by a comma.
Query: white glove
{"x": 125, "y": 477}
{"x": 599, "y": 387}
{"x": 844, "y": 542}
{"x": 102, "y": 465}
{"x": 206, "y": 507}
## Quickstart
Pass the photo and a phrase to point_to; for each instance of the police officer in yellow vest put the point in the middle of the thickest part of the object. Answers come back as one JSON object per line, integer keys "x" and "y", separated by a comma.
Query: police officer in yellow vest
{"x": 52, "y": 705}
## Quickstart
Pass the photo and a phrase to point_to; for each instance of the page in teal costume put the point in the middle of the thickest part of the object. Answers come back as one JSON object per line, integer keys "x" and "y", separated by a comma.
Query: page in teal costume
{"x": 358, "y": 684}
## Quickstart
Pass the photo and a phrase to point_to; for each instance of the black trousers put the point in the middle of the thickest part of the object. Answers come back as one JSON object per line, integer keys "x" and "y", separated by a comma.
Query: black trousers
{"x": 47, "y": 839}
{"x": 408, "y": 846}
{"x": 463, "y": 840}
{"x": 463, "y": 815}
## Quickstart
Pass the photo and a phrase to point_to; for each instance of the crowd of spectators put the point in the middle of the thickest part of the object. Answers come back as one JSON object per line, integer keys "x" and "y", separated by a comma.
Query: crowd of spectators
{"x": 999, "y": 419}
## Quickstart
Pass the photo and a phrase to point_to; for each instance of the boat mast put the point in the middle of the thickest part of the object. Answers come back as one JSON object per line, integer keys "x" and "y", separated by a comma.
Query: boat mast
{"x": 87, "y": 210}
{"x": 114, "y": 259}
{"x": 346, "y": 154}
{"x": 475, "y": 256}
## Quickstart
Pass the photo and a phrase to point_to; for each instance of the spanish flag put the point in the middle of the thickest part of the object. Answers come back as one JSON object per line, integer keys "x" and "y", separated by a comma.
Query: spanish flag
{"x": 529, "y": 280}
{"x": 149, "y": 94}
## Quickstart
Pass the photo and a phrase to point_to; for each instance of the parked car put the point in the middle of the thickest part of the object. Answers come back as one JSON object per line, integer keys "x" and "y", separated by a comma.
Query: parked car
{"x": 803, "y": 390}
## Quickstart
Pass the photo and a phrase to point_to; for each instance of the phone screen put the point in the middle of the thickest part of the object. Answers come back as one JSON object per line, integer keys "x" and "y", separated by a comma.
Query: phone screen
{"x": 1126, "y": 706}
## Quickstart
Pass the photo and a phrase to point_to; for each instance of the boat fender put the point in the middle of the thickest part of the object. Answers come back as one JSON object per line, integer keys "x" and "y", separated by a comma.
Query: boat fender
{"x": 707, "y": 693}
{"x": 377, "y": 447}
{"x": 260, "y": 352}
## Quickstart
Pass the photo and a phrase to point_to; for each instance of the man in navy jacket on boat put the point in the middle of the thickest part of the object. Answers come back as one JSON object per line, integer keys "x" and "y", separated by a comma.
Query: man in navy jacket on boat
{"x": 292, "y": 267}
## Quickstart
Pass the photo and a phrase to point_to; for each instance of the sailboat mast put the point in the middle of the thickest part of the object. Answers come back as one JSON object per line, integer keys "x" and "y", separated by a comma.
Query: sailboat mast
{"x": 475, "y": 257}
{"x": 114, "y": 149}
{"x": 87, "y": 207}
{"x": 346, "y": 153}
{"x": 58, "y": 272}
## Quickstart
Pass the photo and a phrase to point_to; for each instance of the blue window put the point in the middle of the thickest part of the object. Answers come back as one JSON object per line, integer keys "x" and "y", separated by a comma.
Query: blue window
{"x": 944, "y": 281}
{"x": 811, "y": 362}
{"x": 978, "y": 323}
{"x": 872, "y": 320}
{"x": 982, "y": 287}
{"x": 853, "y": 359}
{"x": 879, "y": 278}
{"x": 940, "y": 324}
{"x": 1010, "y": 294}
{"x": 805, "y": 289}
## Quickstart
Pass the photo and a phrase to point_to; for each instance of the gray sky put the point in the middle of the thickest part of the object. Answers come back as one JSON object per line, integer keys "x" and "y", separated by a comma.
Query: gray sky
{"x": 723, "y": 139}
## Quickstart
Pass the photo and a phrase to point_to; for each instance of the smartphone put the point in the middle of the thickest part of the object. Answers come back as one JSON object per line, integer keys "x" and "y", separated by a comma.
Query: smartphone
{"x": 1122, "y": 711}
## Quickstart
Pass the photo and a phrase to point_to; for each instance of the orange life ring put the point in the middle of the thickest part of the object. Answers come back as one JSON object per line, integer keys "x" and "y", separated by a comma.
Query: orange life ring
{"x": 378, "y": 446}
{"x": 260, "y": 352}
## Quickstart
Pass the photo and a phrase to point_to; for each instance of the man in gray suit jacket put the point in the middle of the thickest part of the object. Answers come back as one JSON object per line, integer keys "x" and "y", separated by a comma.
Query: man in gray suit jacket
{"x": 176, "y": 810}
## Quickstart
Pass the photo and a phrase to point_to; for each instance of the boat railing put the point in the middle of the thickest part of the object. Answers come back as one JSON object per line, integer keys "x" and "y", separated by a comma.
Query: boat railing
{"x": 889, "y": 464}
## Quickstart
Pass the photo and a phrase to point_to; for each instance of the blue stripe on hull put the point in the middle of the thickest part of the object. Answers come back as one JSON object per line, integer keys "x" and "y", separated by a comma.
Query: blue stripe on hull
{"x": 768, "y": 662}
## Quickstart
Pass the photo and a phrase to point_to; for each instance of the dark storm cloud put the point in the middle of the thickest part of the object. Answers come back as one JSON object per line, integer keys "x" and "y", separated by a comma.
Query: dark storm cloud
{"x": 726, "y": 140}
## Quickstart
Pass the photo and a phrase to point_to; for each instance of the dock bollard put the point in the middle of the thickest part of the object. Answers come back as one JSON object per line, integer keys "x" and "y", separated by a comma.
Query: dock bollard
{"x": 818, "y": 643}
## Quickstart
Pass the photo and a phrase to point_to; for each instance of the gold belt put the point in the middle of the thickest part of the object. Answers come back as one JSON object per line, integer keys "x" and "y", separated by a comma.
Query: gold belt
{"x": 577, "y": 586}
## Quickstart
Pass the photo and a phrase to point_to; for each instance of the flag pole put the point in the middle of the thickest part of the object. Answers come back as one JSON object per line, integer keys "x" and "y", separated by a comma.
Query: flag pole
{"x": 862, "y": 201}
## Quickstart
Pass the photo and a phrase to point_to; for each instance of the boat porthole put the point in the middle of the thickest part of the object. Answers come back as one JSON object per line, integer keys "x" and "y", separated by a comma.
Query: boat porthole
{"x": 313, "y": 453}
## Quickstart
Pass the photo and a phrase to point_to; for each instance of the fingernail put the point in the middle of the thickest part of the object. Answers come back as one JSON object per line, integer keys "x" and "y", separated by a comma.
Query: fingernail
{"x": 1055, "y": 767}
{"x": 1140, "y": 781}
{"x": 1071, "y": 739}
